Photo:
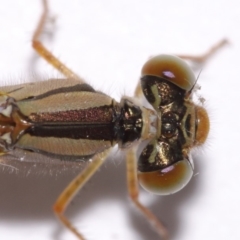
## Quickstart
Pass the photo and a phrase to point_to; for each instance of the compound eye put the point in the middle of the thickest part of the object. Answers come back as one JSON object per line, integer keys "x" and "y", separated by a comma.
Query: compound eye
{"x": 171, "y": 68}
{"x": 168, "y": 180}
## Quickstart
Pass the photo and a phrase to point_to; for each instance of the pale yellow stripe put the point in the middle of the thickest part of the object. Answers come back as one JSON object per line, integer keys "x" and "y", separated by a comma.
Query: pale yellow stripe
{"x": 26, "y": 90}
{"x": 64, "y": 102}
{"x": 63, "y": 146}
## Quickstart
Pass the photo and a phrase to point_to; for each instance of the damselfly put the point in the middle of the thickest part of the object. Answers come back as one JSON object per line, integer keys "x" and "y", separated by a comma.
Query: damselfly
{"x": 67, "y": 119}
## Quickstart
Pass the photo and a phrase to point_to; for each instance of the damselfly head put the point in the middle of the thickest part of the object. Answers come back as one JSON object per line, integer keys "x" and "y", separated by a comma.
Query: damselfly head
{"x": 164, "y": 166}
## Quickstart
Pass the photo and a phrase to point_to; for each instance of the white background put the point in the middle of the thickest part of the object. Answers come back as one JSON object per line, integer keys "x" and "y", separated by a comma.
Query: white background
{"x": 107, "y": 42}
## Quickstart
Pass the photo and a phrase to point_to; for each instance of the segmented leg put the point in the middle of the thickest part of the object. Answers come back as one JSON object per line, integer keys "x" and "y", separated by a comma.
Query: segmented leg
{"x": 45, "y": 53}
{"x": 209, "y": 53}
{"x": 73, "y": 188}
{"x": 133, "y": 191}
{"x": 199, "y": 59}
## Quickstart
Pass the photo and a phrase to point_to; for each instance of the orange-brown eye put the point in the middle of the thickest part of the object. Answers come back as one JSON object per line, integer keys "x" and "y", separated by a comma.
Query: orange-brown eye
{"x": 171, "y": 68}
{"x": 168, "y": 180}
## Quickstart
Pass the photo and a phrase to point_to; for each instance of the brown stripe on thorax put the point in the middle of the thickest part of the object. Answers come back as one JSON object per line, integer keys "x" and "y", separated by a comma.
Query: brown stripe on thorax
{"x": 97, "y": 115}
{"x": 81, "y": 131}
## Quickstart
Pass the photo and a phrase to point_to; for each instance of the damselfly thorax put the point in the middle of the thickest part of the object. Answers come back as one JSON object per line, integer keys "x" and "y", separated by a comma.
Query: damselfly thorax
{"x": 69, "y": 120}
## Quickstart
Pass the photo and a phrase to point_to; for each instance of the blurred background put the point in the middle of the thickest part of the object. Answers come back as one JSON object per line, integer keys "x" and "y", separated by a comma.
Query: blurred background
{"x": 107, "y": 42}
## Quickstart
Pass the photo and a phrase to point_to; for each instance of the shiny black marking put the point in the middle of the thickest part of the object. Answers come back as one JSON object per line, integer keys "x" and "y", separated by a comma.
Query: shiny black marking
{"x": 128, "y": 125}
{"x": 169, "y": 154}
{"x": 167, "y": 91}
{"x": 169, "y": 124}
{"x": 168, "y": 148}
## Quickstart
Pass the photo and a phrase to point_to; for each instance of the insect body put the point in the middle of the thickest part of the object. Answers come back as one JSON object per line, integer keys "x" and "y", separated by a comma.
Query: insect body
{"x": 67, "y": 119}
